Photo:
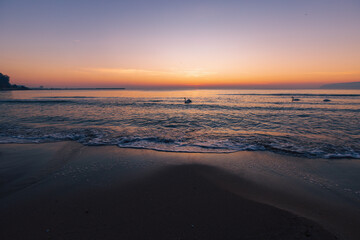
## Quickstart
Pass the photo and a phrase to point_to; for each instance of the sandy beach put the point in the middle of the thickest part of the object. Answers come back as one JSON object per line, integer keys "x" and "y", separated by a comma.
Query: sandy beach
{"x": 66, "y": 190}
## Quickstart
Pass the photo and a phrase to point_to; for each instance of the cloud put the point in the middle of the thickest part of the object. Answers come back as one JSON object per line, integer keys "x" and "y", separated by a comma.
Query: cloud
{"x": 332, "y": 73}
{"x": 195, "y": 73}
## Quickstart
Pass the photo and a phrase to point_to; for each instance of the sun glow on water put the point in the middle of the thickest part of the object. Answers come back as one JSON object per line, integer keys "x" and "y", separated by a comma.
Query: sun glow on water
{"x": 215, "y": 121}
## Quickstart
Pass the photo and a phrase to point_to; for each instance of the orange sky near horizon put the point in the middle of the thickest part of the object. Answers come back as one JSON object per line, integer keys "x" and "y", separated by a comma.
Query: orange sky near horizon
{"x": 55, "y": 76}
{"x": 183, "y": 43}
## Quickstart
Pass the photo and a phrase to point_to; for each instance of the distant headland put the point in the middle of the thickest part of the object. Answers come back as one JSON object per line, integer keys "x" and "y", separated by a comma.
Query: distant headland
{"x": 350, "y": 85}
{"x": 44, "y": 88}
{"x": 5, "y": 84}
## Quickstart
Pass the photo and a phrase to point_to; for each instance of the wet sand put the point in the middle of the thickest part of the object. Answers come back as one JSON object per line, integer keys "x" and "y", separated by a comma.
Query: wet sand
{"x": 69, "y": 191}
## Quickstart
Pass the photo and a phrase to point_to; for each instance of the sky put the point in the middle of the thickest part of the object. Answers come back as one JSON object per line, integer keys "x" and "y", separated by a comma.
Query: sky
{"x": 197, "y": 43}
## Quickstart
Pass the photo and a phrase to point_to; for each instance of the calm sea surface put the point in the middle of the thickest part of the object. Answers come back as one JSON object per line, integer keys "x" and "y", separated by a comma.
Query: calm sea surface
{"x": 216, "y": 120}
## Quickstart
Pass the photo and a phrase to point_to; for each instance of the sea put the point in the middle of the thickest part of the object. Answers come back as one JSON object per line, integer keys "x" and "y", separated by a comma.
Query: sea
{"x": 217, "y": 121}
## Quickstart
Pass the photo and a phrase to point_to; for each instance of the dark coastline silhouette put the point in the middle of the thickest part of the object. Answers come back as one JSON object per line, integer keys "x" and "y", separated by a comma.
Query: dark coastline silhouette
{"x": 5, "y": 84}
{"x": 349, "y": 85}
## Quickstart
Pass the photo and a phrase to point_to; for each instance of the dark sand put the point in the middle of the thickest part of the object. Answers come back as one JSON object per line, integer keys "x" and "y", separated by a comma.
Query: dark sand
{"x": 69, "y": 191}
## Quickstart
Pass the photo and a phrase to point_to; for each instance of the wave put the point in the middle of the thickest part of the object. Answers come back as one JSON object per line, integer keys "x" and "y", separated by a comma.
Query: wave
{"x": 273, "y": 106}
{"x": 292, "y": 94}
{"x": 75, "y": 97}
{"x": 30, "y": 101}
{"x": 290, "y": 145}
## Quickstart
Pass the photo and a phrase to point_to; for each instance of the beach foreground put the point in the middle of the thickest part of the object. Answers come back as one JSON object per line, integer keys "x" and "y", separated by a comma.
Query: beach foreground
{"x": 69, "y": 191}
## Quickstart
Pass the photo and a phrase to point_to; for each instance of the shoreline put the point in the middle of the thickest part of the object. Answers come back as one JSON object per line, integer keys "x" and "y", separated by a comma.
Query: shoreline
{"x": 278, "y": 152}
{"x": 312, "y": 191}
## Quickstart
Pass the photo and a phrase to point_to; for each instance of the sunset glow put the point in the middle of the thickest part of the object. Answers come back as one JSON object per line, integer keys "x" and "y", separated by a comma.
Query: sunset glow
{"x": 180, "y": 43}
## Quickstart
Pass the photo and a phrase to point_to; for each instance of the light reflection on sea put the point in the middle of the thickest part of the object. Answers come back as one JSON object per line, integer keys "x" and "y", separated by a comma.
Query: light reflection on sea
{"x": 216, "y": 120}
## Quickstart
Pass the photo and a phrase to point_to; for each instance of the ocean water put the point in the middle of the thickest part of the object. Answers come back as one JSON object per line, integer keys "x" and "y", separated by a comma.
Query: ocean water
{"x": 216, "y": 120}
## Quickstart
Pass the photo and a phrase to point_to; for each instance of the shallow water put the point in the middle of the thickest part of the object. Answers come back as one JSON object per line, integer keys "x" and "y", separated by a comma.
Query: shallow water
{"x": 216, "y": 120}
